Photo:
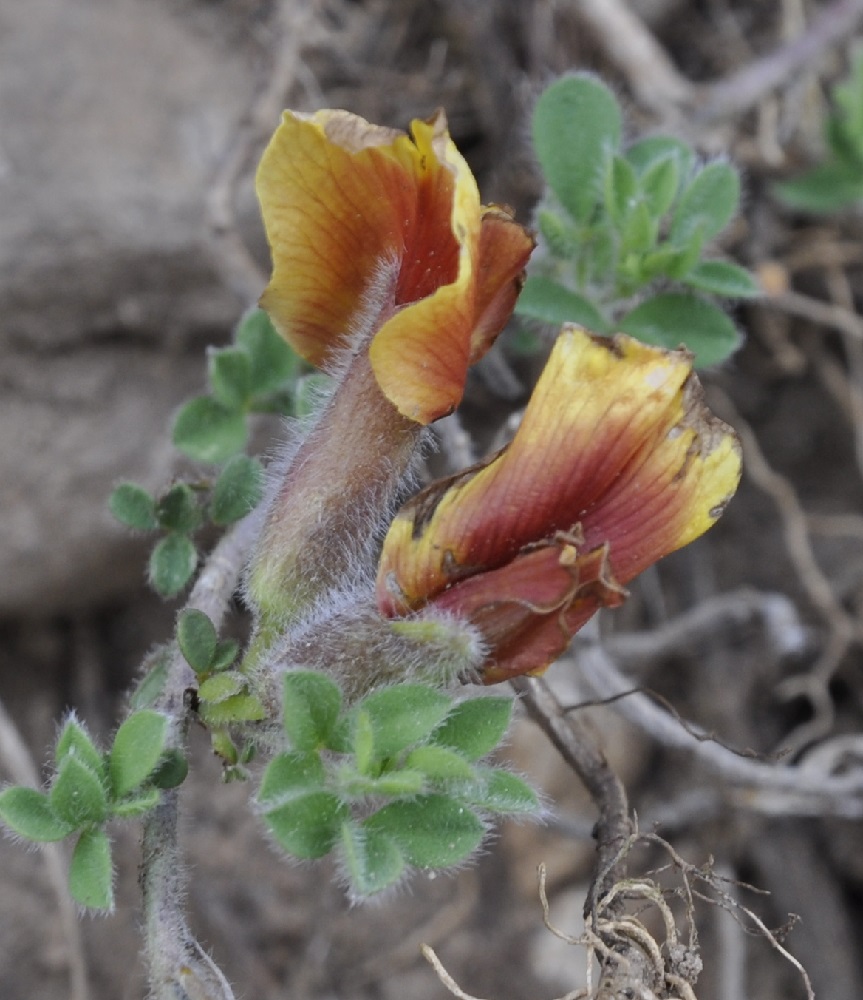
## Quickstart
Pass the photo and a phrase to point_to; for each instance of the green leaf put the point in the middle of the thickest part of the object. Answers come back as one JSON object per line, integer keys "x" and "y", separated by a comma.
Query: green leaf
{"x": 309, "y": 825}
{"x": 171, "y": 770}
{"x": 230, "y": 370}
{"x": 311, "y": 705}
{"x": 475, "y": 727}
{"x": 558, "y": 235}
{"x": 220, "y": 687}
{"x": 707, "y": 205}
{"x": 660, "y": 182}
{"x": 238, "y": 490}
{"x": 848, "y": 98}
{"x": 289, "y": 775}
{"x": 404, "y": 715}
{"x": 826, "y": 188}
{"x": 90, "y": 873}
{"x": 638, "y": 231}
{"x": 138, "y": 745}
{"x": 30, "y": 815}
{"x": 225, "y": 654}
{"x": 645, "y": 154}
{"x": 178, "y": 509}
{"x": 440, "y": 763}
{"x": 719, "y": 277}
{"x": 273, "y": 363}
{"x": 208, "y": 431}
{"x": 172, "y": 563}
{"x": 133, "y": 506}
{"x": 138, "y": 805}
{"x": 391, "y": 784}
{"x": 77, "y": 795}
{"x": 576, "y": 124}
{"x": 239, "y": 708}
{"x": 432, "y": 831}
{"x": 196, "y": 637}
{"x": 74, "y": 741}
{"x": 152, "y": 683}
{"x": 673, "y": 318}
{"x": 363, "y": 743}
{"x": 371, "y": 860}
{"x": 622, "y": 190}
{"x": 547, "y": 301}
{"x": 502, "y": 792}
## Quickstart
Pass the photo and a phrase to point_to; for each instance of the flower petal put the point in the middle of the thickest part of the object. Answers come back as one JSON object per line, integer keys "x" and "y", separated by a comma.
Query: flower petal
{"x": 615, "y": 440}
{"x": 351, "y": 212}
{"x": 528, "y": 610}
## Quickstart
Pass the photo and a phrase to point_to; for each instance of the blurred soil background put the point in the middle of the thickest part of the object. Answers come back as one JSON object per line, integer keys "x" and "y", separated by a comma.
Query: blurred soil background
{"x": 130, "y": 239}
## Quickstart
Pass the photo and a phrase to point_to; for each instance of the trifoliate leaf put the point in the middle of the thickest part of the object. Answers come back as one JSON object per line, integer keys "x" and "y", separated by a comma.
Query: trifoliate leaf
{"x": 178, "y": 509}
{"x": 77, "y": 794}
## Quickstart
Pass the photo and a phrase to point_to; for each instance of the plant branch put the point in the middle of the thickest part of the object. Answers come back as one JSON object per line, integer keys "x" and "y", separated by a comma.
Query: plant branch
{"x": 178, "y": 966}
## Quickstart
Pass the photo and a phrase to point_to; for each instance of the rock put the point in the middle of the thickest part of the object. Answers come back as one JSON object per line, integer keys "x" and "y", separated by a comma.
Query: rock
{"x": 114, "y": 116}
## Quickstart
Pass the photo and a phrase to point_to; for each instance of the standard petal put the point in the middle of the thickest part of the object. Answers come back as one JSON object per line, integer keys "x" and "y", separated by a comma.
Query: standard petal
{"x": 351, "y": 211}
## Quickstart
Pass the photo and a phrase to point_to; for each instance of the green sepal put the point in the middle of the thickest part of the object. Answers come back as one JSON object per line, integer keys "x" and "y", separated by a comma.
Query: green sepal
{"x": 289, "y": 775}
{"x": 310, "y": 707}
{"x": 549, "y": 302}
{"x": 133, "y": 506}
{"x": 673, "y": 318}
{"x": 220, "y": 687}
{"x": 576, "y": 124}
{"x": 308, "y": 825}
{"x": 230, "y": 370}
{"x": 77, "y": 794}
{"x": 208, "y": 431}
{"x": 75, "y": 741}
{"x": 29, "y": 814}
{"x": 238, "y": 490}
{"x": 91, "y": 875}
{"x": 371, "y": 859}
{"x": 196, "y": 637}
{"x": 137, "y": 749}
{"x": 172, "y": 563}
{"x": 432, "y": 831}
{"x": 178, "y": 510}
{"x": 475, "y": 727}
{"x": 403, "y": 716}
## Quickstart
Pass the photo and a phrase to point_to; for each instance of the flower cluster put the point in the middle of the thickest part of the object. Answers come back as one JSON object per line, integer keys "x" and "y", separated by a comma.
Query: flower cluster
{"x": 389, "y": 271}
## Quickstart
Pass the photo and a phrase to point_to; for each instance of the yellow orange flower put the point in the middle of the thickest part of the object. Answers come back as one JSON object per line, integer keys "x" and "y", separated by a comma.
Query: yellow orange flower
{"x": 617, "y": 462}
{"x": 379, "y": 238}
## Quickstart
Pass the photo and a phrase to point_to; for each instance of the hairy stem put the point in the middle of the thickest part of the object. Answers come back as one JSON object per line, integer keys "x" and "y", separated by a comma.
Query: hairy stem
{"x": 178, "y": 967}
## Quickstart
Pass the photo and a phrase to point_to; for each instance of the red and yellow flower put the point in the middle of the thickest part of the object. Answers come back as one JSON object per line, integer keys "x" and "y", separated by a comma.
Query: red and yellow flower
{"x": 380, "y": 237}
{"x": 616, "y": 463}
{"x": 389, "y": 271}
